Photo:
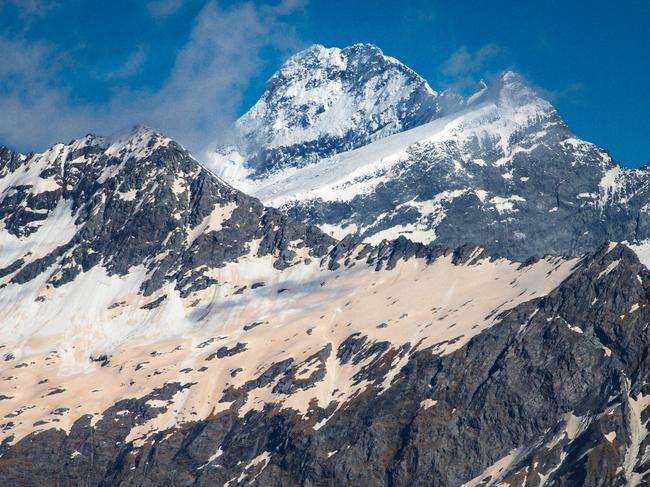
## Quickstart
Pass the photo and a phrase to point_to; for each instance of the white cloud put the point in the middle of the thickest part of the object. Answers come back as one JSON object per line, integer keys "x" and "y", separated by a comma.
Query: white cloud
{"x": 462, "y": 61}
{"x": 464, "y": 68}
{"x": 164, "y": 8}
{"x": 203, "y": 94}
{"x": 197, "y": 102}
{"x": 33, "y": 106}
{"x": 131, "y": 66}
{"x": 30, "y": 7}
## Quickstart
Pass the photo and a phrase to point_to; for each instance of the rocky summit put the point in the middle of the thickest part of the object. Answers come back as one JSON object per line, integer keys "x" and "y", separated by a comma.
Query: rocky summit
{"x": 440, "y": 297}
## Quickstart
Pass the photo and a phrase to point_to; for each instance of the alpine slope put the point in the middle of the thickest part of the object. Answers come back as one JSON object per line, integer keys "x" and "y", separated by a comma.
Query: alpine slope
{"x": 160, "y": 326}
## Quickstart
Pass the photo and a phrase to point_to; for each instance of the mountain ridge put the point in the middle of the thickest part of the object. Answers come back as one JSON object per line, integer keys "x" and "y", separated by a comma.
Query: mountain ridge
{"x": 491, "y": 170}
{"x": 459, "y": 389}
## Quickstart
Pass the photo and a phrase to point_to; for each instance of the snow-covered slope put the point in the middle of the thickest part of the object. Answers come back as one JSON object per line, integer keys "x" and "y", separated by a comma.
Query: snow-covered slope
{"x": 499, "y": 168}
{"x": 160, "y": 327}
{"x": 222, "y": 338}
{"x": 325, "y": 101}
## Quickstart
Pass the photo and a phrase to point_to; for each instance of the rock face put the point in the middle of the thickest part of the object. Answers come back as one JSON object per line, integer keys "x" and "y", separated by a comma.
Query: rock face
{"x": 499, "y": 168}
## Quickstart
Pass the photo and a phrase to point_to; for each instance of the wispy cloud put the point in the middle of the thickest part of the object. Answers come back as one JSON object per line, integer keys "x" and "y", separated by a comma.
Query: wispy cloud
{"x": 417, "y": 12}
{"x": 464, "y": 68}
{"x": 30, "y": 7}
{"x": 131, "y": 66}
{"x": 463, "y": 61}
{"x": 568, "y": 93}
{"x": 202, "y": 95}
{"x": 164, "y": 8}
{"x": 196, "y": 103}
{"x": 32, "y": 104}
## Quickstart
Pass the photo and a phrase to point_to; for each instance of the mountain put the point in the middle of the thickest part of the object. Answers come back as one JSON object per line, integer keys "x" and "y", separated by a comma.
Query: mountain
{"x": 326, "y": 101}
{"x": 161, "y": 327}
{"x": 136, "y": 214}
{"x": 499, "y": 168}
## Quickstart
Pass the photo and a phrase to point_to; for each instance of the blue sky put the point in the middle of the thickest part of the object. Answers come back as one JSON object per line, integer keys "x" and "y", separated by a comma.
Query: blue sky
{"x": 190, "y": 67}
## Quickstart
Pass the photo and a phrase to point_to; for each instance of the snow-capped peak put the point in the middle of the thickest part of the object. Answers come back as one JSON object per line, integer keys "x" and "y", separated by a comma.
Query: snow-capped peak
{"x": 56, "y": 170}
{"x": 362, "y": 54}
{"x": 326, "y": 101}
{"x": 510, "y": 76}
{"x": 137, "y": 141}
{"x": 323, "y": 101}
